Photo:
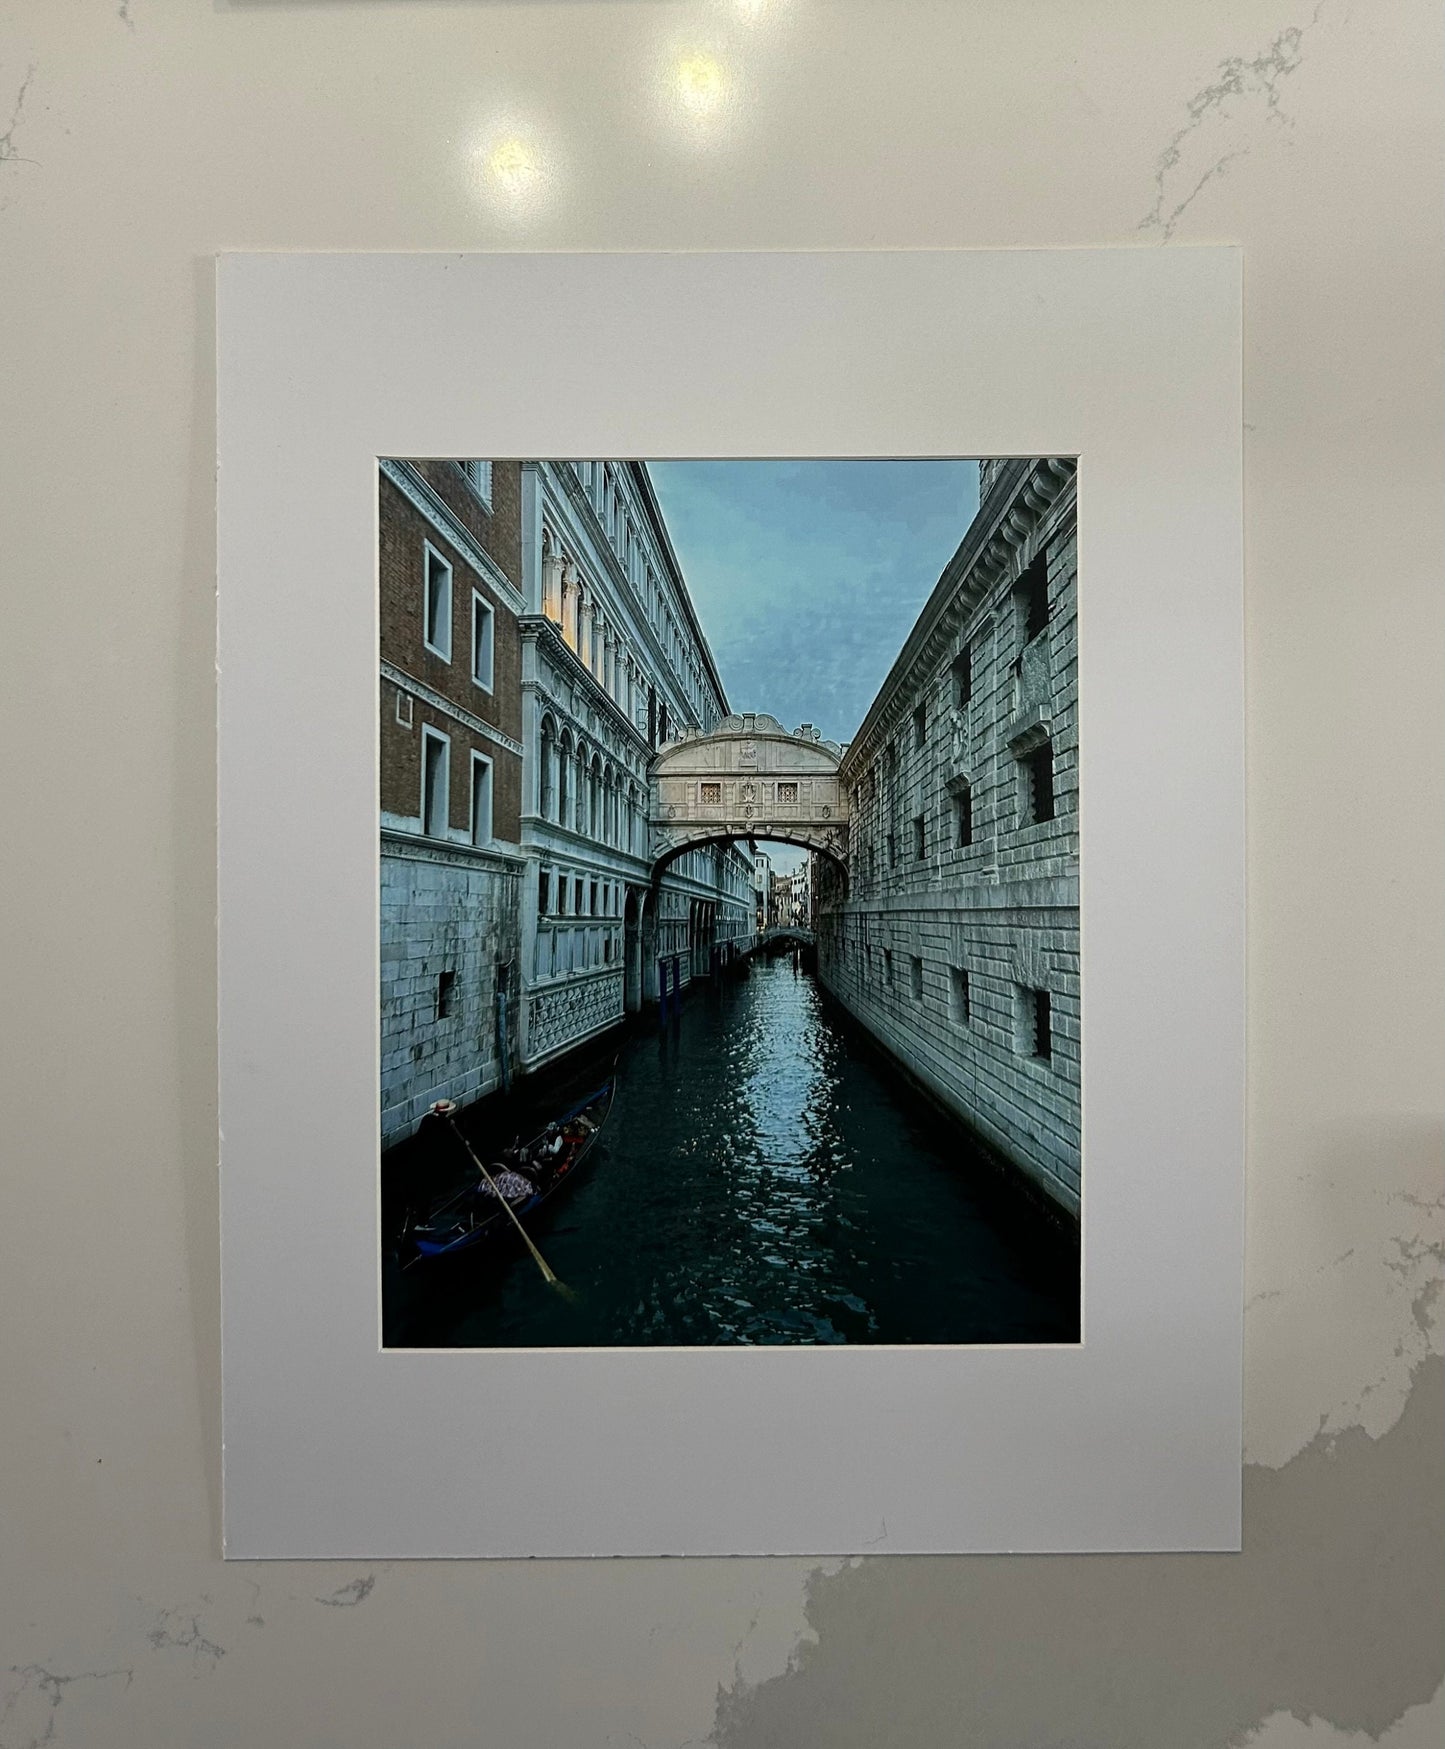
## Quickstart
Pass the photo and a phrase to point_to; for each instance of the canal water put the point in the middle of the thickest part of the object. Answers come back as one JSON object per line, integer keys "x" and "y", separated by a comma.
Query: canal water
{"x": 765, "y": 1176}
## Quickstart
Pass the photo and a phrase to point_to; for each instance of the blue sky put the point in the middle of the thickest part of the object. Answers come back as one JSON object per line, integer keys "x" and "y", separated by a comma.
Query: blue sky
{"x": 807, "y": 575}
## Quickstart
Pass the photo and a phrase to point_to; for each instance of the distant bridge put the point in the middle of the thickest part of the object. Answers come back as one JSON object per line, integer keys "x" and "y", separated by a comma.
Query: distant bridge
{"x": 788, "y": 932}
{"x": 748, "y": 778}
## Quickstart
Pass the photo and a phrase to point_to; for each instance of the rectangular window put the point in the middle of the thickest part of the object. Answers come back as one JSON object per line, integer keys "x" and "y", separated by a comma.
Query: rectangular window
{"x": 920, "y": 837}
{"x": 483, "y": 636}
{"x": 1032, "y": 597}
{"x": 544, "y": 893}
{"x": 962, "y": 1000}
{"x": 787, "y": 795}
{"x": 446, "y": 994}
{"x": 711, "y": 794}
{"x": 963, "y": 816}
{"x": 1043, "y": 1026}
{"x": 577, "y": 896}
{"x": 481, "y": 814}
{"x": 592, "y": 900}
{"x": 920, "y": 724}
{"x": 479, "y": 477}
{"x": 1037, "y": 778}
{"x": 963, "y": 676}
{"x": 435, "y": 757}
{"x": 1033, "y": 1024}
{"x": 403, "y": 708}
{"x": 888, "y": 964}
{"x": 437, "y": 604}
{"x": 917, "y": 972}
{"x": 893, "y": 850}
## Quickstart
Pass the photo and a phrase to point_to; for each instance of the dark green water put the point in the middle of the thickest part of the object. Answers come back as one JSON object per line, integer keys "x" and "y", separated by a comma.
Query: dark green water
{"x": 765, "y": 1176}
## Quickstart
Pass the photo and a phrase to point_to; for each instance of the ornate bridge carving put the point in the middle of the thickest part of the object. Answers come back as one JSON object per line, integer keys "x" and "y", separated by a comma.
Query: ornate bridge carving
{"x": 749, "y": 778}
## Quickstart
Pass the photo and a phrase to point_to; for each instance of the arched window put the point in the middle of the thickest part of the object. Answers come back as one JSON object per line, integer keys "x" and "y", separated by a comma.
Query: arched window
{"x": 579, "y": 805}
{"x": 564, "y": 779}
{"x": 547, "y": 799}
{"x": 595, "y": 798}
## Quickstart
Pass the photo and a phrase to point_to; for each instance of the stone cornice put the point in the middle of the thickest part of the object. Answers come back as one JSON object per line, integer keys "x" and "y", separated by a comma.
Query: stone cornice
{"x": 548, "y": 637}
{"x": 961, "y": 896}
{"x": 451, "y": 527}
{"x": 448, "y": 707}
{"x": 414, "y": 847}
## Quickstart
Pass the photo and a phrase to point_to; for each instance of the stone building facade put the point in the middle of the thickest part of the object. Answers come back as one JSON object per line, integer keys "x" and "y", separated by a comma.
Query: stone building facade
{"x": 762, "y": 890}
{"x": 614, "y": 665}
{"x": 953, "y": 933}
{"x": 793, "y": 898}
{"x": 450, "y": 718}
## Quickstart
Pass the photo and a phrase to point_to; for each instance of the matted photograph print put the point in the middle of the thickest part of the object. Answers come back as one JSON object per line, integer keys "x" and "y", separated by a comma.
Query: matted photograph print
{"x": 729, "y": 852}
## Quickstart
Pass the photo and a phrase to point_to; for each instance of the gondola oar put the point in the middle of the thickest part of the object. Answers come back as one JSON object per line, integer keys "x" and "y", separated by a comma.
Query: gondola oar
{"x": 446, "y": 1108}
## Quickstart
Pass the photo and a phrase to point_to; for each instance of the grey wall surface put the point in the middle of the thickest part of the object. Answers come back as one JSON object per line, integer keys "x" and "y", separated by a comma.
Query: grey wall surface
{"x": 139, "y": 137}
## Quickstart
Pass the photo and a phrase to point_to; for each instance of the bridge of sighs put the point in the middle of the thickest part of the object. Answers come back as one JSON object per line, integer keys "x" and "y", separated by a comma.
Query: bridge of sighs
{"x": 748, "y": 778}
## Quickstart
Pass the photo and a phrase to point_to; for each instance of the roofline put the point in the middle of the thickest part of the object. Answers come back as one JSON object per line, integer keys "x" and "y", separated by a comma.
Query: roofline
{"x": 987, "y": 520}
{"x": 648, "y": 493}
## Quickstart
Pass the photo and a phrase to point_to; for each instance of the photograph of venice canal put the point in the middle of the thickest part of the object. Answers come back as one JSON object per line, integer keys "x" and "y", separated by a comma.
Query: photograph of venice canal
{"x": 698, "y": 1028}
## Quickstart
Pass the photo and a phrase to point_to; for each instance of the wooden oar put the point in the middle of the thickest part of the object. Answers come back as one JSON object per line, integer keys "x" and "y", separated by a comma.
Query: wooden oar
{"x": 446, "y": 1108}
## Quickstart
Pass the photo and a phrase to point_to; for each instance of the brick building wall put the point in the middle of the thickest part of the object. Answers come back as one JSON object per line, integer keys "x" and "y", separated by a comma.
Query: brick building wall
{"x": 406, "y": 532}
{"x": 955, "y": 938}
{"x": 449, "y": 563}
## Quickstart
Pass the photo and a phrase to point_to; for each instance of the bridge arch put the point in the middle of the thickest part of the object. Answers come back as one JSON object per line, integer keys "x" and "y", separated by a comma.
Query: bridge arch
{"x": 748, "y": 778}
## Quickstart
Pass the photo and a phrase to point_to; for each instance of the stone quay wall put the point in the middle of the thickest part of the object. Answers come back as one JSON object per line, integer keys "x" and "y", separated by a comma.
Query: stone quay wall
{"x": 449, "y": 943}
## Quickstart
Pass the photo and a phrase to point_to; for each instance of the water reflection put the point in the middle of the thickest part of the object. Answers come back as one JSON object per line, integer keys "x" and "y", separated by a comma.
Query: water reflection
{"x": 764, "y": 1177}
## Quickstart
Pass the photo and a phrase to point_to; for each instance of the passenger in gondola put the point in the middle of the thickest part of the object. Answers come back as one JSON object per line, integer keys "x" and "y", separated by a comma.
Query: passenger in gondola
{"x": 549, "y": 1149}
{"x": 514, "y": 1186}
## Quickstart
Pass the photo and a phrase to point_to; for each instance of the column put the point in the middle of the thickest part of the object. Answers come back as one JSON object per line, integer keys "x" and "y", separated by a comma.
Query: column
{"x": 571, "y": 602}
{"x": 552, "y": 586}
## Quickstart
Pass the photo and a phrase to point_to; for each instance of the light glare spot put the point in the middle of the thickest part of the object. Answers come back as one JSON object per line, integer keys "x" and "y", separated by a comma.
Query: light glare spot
{"x": 513, "y": 166}
{"x": 700, "y": 83}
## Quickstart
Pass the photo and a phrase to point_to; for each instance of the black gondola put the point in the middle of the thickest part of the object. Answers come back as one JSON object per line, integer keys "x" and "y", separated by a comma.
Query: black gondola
{"x": 469, "y": 1218}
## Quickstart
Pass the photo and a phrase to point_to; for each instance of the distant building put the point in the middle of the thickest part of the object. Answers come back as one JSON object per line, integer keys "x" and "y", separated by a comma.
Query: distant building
{"x": 955, "y": 935}
{"x": 793, "y": 898}
{"x": 451, "y": 781}
{"x": 762, "y": 890}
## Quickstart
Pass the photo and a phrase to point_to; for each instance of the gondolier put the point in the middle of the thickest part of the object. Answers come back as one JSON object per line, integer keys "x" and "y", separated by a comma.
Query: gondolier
{"x": 508, "y": 1193}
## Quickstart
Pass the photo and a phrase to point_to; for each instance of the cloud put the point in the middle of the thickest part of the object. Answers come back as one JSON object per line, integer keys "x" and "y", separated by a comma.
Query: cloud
{"x": 807, "y": 575}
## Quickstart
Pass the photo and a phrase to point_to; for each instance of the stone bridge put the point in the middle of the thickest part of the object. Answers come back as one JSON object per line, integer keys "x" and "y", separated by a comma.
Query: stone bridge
{"x": 748, "y": 778}
{"x": 788, "y": 932}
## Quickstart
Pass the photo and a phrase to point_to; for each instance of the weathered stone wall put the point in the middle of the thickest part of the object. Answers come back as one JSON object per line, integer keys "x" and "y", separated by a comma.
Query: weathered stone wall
{"x": 960, "y": 909}
{"x": 444, "y": 911}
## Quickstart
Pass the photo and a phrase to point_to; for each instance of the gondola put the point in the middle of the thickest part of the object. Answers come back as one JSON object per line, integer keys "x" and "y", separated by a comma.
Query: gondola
{"x": 466, "y": 1220}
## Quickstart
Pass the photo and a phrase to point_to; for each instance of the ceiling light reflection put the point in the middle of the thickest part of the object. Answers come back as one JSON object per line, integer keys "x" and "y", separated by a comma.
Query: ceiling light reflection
{"x": 513, "y": 172}
{"x": 701, "y": 83}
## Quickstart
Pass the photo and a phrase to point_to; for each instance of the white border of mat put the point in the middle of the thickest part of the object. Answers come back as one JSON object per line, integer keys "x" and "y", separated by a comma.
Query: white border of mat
{"x": 1129, "y": 359}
